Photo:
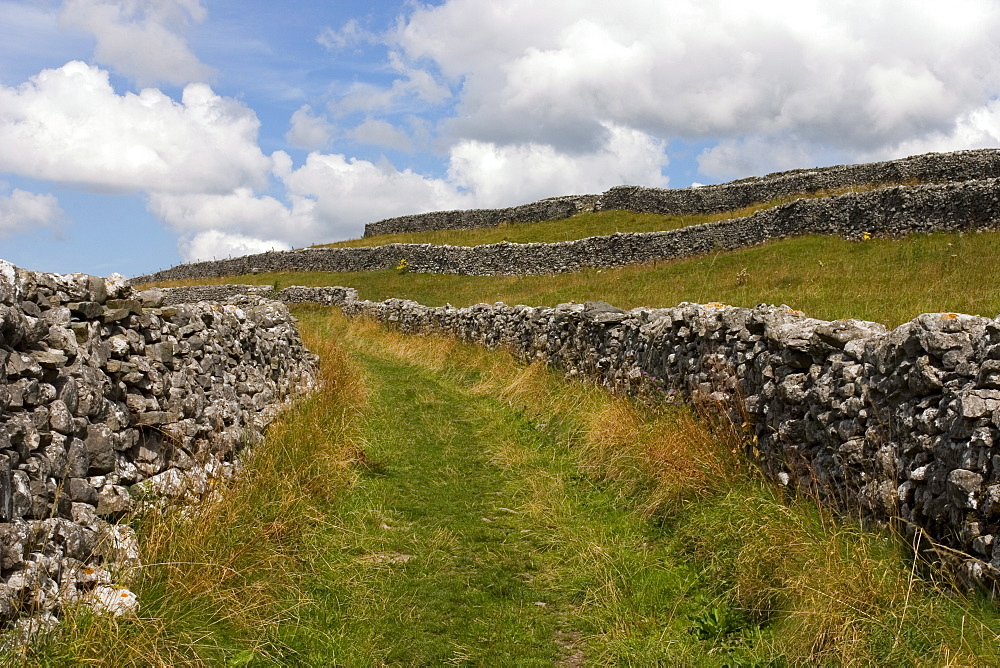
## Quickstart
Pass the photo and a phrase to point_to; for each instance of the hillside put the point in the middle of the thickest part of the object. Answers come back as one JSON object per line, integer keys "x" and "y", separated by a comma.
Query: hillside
{"x": 825, "y": 277}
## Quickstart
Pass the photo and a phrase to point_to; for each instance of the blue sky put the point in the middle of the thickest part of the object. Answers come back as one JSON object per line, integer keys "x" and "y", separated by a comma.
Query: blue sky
{"x": 135, "y": 134}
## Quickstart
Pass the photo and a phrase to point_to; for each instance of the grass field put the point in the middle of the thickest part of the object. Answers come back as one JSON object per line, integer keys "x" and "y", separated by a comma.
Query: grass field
{"x": 883, "y": 280}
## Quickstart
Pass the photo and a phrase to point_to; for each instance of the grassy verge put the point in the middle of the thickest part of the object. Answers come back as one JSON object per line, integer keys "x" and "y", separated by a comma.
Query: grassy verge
{"x": 883, "y": 280}
{"x": 584, "y": 225}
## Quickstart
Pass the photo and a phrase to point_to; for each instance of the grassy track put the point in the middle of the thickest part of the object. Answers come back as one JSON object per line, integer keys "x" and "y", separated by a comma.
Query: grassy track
{"x": 472, "y": 537}
{"x": 440, "y": 504}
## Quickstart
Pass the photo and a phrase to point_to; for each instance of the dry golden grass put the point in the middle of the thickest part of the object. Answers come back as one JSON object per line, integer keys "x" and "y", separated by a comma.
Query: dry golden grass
{"x": 675, "y": 451}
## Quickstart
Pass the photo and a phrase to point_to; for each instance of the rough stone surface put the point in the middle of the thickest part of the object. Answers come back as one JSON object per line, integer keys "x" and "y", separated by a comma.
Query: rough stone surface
{"x": 929, "y": 168}
{"x": 547, "y": 209}
{"x": 327, "y": 296}
{"x": 100, "y": 393}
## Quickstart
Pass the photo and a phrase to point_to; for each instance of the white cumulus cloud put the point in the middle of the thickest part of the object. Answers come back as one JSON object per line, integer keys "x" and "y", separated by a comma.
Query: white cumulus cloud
{"x": 761, "y": 154}
{"x": 213, "y": 244}
{"x": 22, "y": 211}
{"x": 239, "y": 212}
{"x": 979, "y": 128}
{"x": 349, "y": 192}
{"x": 139, "y": 38}
{"x": 848, "y": 78}
{"x": 69, "y": 125}
{"x": 308, "y": 130}
{"x": 500, "y": 175}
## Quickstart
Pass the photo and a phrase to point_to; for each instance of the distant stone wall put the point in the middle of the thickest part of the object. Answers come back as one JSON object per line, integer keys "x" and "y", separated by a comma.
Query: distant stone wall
{"x": 327, "y": 296}
{"x": 928, "y": 168}
{"x": 553, "y": 208}
{"x": 215, "y": 293}
{"x": 896, "y": 211}
{"x": 925, "y": 169}
{"x": 106, "y": 395}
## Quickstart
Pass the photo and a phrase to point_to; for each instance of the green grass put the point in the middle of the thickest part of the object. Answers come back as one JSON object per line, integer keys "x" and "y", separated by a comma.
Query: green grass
{"x": 566, "y": 229}
{"x": 884, "y": 280}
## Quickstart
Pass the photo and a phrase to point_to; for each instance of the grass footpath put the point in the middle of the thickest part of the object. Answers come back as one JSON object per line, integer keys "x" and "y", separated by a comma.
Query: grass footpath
{"x": 438, "y": 503}
{"x": 505, "y": 516}
{"x": 474, "y": 538}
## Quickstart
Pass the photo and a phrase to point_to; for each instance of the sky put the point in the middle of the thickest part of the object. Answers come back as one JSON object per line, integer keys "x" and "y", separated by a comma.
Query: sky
{"x": 138, "y": 134}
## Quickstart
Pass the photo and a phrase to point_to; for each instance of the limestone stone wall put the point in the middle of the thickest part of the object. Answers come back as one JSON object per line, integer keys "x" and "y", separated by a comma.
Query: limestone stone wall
{"x": 327, "y": 296}
{"x": 107, "y": 395}
{"x": 895, "y": 211}
{"x": 928, "y": 168}
{"x": 553, "y": 208}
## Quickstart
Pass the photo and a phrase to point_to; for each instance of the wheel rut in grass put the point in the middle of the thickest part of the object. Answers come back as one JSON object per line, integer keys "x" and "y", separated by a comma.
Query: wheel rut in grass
{"x": 470, "y": 535}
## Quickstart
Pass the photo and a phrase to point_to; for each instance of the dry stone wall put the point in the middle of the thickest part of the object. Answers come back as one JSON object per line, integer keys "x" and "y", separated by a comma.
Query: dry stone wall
{"x": 327, "y": 296}
{"x": 900, "y": 425}
{"x": 896, "y": 211}
{"x": 107, "y": 395}
{"x": 928, "y": 168}
{"x": 553, "y": 208}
